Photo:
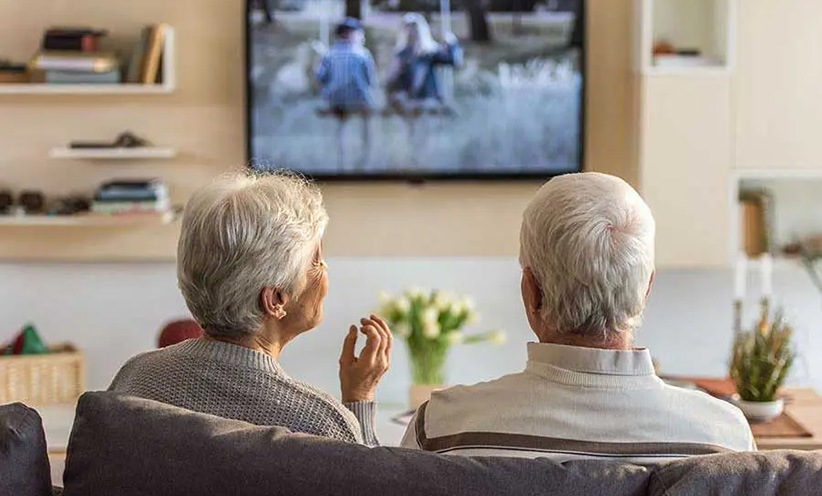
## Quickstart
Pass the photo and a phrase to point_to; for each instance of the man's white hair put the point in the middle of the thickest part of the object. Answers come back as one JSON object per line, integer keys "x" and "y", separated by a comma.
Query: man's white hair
{"x": 243, "y": 233}
{"x": 588, "y": 239}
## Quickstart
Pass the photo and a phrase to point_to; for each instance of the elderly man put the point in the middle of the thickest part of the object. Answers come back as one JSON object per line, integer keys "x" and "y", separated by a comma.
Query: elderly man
{"x": 587, "y": 256}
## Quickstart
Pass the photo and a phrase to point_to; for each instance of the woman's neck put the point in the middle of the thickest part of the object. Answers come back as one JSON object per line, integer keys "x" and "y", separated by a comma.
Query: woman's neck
{"x": 257, "y": 342}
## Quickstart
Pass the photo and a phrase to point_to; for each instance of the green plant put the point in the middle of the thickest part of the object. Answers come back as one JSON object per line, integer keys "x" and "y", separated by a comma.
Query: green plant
{"x": 762, "y": 358}
{"x": 431, "y": 322}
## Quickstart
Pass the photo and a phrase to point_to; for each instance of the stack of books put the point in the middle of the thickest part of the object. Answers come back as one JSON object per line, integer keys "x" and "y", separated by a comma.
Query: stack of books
{"x": 72, "y": 56}
{"x": 131, "y": 197}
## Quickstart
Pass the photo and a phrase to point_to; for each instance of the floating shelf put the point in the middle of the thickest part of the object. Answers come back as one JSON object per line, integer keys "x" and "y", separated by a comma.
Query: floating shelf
{"x": 84, "y": 89}
{"x": 167, "y": 86}
{"x": 89, "y": 220}
{"x": 136, "y": 153}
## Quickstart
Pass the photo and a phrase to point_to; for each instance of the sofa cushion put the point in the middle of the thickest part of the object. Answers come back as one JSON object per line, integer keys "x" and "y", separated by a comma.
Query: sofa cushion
{"x": 24, "y": 463}
{"x": 129, "y": 446}
{"x": 794, "y": 473}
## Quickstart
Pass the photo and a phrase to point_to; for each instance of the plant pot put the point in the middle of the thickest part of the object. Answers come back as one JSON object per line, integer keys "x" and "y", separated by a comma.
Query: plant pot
{"x": 760, "y": 411}
{"x": 420, "y": 393}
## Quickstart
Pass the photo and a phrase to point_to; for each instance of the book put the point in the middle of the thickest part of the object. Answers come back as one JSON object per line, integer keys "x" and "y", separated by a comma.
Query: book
{"x": 153, "y": 53}
{"x": 69, "y": 77}
{"x": 75, "y": 61}
{"x": 76, "y": 39}
{"x": 134, "y": 73}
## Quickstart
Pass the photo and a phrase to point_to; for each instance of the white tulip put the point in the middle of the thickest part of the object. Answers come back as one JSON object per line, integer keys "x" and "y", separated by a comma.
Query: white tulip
{"x": 439, "y": 300}
{"x": 455, "y": 338}
{"x": 384, "y": 298}
{"x": 402, "y": 305}
{"x": 498, "y": 337}
{"x": 457, "y": 308}
{"x": 469, "y": 303}
{"x": 402, "y": 329}
{"x": 472, "y": 318}
{"x": 429, "y": 315}
{"x": 431, "y": 330}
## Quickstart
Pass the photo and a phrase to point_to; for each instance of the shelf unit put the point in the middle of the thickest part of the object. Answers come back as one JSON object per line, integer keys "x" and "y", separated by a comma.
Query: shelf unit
{"x": 796, "y": 206}
{"x": 706, "y": 25}
{"x": 90, "y": 220}
{"x": 136, "y": 153}
{"x": 167, "y": 86}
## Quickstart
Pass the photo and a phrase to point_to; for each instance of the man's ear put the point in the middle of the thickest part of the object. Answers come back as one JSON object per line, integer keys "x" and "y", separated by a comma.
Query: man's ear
{"x": 531, "y": 292}
{"x": 273, "y": 302}
{"x": 650, "y": 284}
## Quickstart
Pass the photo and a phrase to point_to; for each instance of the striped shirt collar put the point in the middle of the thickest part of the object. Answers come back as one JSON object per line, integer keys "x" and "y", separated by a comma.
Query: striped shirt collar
{"x": 636, "y": 362}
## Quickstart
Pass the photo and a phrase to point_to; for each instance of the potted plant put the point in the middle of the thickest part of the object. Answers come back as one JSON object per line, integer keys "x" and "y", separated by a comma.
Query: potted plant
{"x": 430, "y": 322}
{"x": 761, "y": 360}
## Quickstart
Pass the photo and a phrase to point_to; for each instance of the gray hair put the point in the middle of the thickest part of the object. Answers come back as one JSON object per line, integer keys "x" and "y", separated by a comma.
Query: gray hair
{"x": 243, "y": 233}
{"x": 588, "y": 239}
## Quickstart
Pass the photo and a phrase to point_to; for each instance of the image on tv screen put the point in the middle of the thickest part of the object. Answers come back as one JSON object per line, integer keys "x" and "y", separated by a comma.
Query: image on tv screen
{"x": 428, "y": 88}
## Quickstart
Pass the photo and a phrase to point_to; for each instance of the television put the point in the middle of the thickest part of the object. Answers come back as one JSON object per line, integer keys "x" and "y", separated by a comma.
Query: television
{"x": 416, "y": 89}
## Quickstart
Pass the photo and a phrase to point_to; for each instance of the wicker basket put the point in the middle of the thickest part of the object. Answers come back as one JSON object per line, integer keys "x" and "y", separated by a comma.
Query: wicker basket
{"x": 36, "y": 380}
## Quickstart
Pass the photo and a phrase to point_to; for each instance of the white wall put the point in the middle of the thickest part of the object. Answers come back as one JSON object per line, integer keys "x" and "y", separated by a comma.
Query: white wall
{"x": 113, "y": 311}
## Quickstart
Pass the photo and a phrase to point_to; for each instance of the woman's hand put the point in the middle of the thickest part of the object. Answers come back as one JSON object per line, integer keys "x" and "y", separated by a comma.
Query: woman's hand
{"x": 359, "y": 376}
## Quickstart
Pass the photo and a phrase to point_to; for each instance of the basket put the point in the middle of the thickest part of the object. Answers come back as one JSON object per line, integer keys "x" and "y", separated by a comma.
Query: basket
{"x": 49, "y": 379}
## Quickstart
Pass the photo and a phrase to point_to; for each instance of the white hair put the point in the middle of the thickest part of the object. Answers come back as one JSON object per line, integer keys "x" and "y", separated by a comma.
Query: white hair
{"x": 425, "y": 40}
{"x": 243, "y": 233}
{"x": 588, "y": 239}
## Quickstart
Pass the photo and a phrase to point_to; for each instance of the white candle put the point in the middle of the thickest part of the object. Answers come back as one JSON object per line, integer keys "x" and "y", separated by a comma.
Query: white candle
{"x": 741, "y": 279}
{"x": 766, "y": 265}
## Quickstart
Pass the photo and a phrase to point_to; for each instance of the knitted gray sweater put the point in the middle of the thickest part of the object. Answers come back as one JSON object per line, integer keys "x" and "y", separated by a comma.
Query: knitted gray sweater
{"x": 234, "y": 382}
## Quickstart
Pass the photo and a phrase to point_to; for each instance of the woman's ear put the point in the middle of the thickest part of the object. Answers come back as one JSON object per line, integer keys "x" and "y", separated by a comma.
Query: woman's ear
{"x": 650, "y": 285}
{"x": 273, "y": 302}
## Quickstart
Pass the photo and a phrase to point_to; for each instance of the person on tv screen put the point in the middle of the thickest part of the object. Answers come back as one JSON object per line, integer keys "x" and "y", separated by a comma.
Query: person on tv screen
{"x": 412, "y": 78}
{"x": 347, "y": 74}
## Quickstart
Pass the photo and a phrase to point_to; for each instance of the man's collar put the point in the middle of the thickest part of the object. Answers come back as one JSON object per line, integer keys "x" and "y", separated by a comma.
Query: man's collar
{"x": 636, "y": 362}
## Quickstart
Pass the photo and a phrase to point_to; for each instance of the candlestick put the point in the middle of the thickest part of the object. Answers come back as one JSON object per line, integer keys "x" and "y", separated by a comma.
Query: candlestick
{"x": 741, "y": 280}
{"x": 766, "y": 268}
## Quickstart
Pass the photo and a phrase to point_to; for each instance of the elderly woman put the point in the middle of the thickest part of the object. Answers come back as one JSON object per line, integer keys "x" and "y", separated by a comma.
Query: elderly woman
{"x": 251, "y": 270}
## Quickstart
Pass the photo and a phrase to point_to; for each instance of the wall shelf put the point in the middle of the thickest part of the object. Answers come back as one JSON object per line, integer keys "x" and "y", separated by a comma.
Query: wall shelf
{"x": 167, "y": 86}
{"x": 707, "y": 26}
{"x": 136, "y": 153}
{"x": 90, "y": 220}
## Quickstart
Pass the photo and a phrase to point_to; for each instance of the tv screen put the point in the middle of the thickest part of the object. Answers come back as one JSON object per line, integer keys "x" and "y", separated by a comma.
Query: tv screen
{"x": 354, "y": 89}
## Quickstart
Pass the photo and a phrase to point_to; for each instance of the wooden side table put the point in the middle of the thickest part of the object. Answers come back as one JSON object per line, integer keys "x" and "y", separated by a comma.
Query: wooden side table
{"x": 805, "y": 406}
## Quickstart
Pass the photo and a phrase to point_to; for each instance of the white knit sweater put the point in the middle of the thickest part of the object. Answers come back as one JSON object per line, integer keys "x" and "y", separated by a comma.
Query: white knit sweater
{"x": 234, "y": 382}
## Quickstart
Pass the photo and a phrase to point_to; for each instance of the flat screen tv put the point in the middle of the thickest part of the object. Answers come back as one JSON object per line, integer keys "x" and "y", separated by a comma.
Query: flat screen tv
{"x": 416, "y": 89}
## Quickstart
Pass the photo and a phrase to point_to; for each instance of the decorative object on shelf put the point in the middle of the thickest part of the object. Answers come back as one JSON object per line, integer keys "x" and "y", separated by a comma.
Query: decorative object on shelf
{"x": 13, "y": 73}
{"x": 33, "y": 202}
{"x": 126, "y": 139}
{"x": 760, "y": 362}
{"x": 810, "y": 255}
{"x": 6, "y": 201}
{"x": 38, "y": 375}
{"x": 70, "y": 205}
{"x": 757, "y": 221}
{"x": 431, "y": 322}
{"x": 178, "y": 331}
{"x": 27, "y": 342}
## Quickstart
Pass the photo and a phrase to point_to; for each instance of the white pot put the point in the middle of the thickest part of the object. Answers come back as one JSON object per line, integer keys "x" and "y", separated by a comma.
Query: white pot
{"x": 760, "y": 411}
{"x": 420, "y": 393}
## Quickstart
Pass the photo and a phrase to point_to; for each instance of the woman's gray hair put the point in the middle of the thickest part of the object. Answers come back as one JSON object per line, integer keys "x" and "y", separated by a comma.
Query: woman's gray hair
{"x": 243, "y": 233}
{"x": 588, "y": 239}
